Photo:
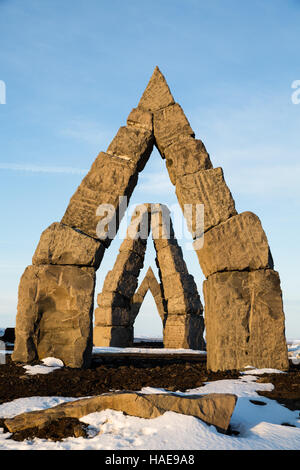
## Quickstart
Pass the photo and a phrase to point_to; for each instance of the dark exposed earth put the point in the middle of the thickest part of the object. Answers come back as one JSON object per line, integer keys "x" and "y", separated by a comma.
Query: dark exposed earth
{"x": 110, "y": 372}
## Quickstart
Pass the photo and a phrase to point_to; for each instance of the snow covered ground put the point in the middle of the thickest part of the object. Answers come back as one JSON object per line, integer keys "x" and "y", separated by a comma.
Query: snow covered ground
{"x": 260, "y": 427}
{"x": 108, "y": 350}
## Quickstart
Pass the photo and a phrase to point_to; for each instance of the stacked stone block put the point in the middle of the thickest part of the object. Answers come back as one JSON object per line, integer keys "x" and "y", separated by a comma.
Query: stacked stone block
{"x": 113, "y": 319}
{"x": 184, "y": 323}
{"x": 55, "y": 301}
{"x": 112, "y": 177}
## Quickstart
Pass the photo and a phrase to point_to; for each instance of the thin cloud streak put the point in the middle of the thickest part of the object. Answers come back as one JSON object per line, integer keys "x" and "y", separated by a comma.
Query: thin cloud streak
{"x": 43, "y": 169}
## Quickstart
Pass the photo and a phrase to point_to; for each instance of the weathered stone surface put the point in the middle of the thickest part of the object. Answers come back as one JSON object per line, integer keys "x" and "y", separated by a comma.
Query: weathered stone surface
{"x": 169, "y": 125}
{"x": 215, "y": 408}
{"x": 153, "y": 284}
{"x": 184, "y": 331}
{"x": 116, "y": 316}
{"x": 157, "y": 95}
{"x": 138, "y": 246}
{"x": 161, "y": 305}
{"x": 109, "y": 179}
{"x": 114, "y": 336}
{"x": 129, "y": 262}
{"x": 112, "y": 299}
{"x": 177, "y": 284}
{"x": 141, "y": 119}
{"x": 186, "y": 155}
{"x": 244, "y": 320}
{"x": 55, "y": 308}
{"x": 162, "y": 228}
{"x": 239, "y": 243}
{"x": 171, "y": 257}
{"x": 182, "y": 304}
{"x": 120, "y": 281}
{"x": 179, "y": 291}
{"x": 60, "y": 244}
{"x": 206, "y": 187}
{"x": 133, "y": 144}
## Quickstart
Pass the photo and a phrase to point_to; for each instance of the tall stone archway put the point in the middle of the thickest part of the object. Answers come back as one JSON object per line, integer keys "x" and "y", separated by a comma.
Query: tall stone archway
{"x": 176, "y": 295}
{"x": 243, "y": 301}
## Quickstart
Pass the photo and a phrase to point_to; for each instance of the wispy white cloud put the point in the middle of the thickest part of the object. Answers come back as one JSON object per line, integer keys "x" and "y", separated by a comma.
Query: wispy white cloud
{"x": 155, "y": 183}
{"x": 87, "y": 131}
{"x": 266, "y": 180}
{"x": 42, "y": 169}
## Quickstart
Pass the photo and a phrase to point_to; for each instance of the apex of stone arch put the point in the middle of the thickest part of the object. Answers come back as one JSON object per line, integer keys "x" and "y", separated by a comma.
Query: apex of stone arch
{"x": 157, "y": 94}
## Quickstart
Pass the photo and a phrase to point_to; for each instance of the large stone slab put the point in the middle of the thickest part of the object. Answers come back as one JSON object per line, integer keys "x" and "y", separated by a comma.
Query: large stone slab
{"x": 55, "y": 309}
{"x": 133, "y": 144}
{"x": 113, "y": 336}
{"x": 215, "y": 409}
{"x": 162, "y": 228}
{"x": 141, "y": 119}
{"x": 206, "y": 187}
{"x": 109, "y": 179}
{"x": 178, "y": 284}
{"x": 120, "y": 281}
{"x": 116, "y": 316}
{"x": 157, "y": 94}
{"x": 186, "y": 155}
{"x": 60, "y": 244}
{"x": 244, "y": 320}
{"x": 138, "y": 246}
{"x": 169, "y": 125}
{"x": 112, "y": 299}
{"x": 184, "y": 332}
{"x": 171, "y": 258}
{"x": 123, "y": 278}
{"x": 235, "y": 245}
{"x": 129, "y": 262}
{"x": 181, "y": 304}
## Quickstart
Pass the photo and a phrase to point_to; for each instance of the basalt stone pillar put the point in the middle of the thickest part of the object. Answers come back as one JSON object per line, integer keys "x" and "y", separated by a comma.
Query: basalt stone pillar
{"x": 55, "y": 310}
{"x": 244, "y": 320}
{"x": 239, "y": 244}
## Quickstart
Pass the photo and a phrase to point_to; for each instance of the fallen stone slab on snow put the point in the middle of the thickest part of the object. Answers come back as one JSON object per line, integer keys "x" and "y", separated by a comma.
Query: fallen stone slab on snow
{"x": 214, "y": 408}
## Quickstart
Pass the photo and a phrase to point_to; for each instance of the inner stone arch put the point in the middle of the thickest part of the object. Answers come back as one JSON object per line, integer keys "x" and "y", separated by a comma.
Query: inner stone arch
{"x": 148, "y": 309}
{"x": 175, "y": 295}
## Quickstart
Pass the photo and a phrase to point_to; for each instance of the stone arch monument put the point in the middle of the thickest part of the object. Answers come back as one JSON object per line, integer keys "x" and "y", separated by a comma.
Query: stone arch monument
{"x": 176, "y": 295}
{"x": 244, "y": 316}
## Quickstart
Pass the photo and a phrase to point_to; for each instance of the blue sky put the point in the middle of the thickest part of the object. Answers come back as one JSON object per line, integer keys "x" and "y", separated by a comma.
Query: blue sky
{"x": 73, "y": 71}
